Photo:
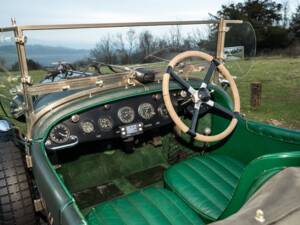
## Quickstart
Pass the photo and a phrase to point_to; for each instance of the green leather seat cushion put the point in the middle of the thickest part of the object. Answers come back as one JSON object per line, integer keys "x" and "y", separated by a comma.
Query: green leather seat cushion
{"x": 205, "y": 183}
{"x": 155, "y": 206}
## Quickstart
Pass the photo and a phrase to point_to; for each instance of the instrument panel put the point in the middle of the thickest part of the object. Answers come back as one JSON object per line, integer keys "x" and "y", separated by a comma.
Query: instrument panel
{"x": 121, "y": 119}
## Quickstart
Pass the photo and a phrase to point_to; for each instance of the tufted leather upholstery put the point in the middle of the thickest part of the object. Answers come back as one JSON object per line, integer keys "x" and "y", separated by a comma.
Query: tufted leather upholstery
{"x": 205, "y": 183}
{"x": 153, "y": 206}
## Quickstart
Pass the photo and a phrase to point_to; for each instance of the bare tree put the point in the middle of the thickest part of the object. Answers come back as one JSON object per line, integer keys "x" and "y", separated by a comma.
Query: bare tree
{"x": 145, "y": 43}
{"x": 121, "y": 50}
{"x": 131, "y": 39}
{"x": 285, "y": 18}
{"x": 104, "y": 50}
{"x": 130, "y": 47}
{"x": 176, "y": 38}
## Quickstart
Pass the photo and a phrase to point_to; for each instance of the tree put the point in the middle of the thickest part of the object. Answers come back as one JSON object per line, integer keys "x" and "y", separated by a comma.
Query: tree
{"x": 265, "y": 16}
{"x": 285, "y": 5}
{"x": 130, "y": 37}
{"x": 295, "y": 23}
{"x": 104, "y": 52}
{"x": 32, "y": 65}
{"x": 260, "y": 13}
{"x": 145, "y": 43}
{"x": 176, "y": 37}
{"x": 121, "y": 50}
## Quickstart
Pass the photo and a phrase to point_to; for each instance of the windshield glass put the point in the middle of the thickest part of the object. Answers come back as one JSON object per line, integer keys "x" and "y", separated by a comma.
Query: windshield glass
{"x": 91, "y": 52}
{"x": 9, "y": 72}
{"x": 83, "y": 56}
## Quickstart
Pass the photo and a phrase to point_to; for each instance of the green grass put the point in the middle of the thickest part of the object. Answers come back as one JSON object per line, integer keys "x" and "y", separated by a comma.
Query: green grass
{"x": 280, "y": 79}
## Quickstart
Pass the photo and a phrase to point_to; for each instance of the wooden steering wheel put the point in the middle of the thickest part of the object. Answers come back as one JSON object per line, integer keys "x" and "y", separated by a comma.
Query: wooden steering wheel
{"x": 201, "y": 97}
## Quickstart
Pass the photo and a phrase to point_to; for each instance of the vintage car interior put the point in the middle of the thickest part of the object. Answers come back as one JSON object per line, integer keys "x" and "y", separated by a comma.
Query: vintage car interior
{"x": 174, "y": 151}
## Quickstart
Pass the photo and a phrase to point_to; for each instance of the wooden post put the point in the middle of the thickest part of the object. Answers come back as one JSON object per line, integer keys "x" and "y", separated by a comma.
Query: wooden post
{"x": 256, "y": 89}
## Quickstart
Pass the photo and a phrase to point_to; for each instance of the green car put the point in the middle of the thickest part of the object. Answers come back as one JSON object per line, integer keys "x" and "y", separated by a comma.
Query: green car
{"x": 156, "y": 141}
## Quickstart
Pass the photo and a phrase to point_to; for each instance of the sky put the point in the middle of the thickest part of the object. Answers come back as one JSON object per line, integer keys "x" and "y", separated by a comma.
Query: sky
{"x": 98, "y": 11}
{"x": 68, "y": 11}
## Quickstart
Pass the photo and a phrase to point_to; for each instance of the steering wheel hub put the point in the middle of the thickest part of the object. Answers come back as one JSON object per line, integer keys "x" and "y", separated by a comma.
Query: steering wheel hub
{"x": 204, "y": 94}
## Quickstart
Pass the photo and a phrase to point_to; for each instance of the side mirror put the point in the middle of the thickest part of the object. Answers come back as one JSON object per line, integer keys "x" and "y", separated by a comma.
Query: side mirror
{"x": 5, "y": 125}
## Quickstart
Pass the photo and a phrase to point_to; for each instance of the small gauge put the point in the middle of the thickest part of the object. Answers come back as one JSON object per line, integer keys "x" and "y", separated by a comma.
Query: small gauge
{"x": 87, "y": 127}
{"x": 126, "y": 114}
{"x": 162, "y": 110}
{"x": 146, "y": 111}
{"x": 60, "y": 134}
{"x": 105, "y": 123}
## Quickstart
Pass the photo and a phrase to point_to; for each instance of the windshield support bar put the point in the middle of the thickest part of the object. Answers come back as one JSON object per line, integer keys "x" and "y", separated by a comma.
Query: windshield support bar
{"x": 111, "y": 25}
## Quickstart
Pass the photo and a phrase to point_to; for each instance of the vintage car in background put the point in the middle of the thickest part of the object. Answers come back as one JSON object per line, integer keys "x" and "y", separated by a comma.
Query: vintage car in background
{"x": 159, "y": 141}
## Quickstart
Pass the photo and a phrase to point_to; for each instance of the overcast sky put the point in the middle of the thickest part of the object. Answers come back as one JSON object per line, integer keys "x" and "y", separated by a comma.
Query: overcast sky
{"x": 68, "y": 11}
{"x": 97, "y": 11}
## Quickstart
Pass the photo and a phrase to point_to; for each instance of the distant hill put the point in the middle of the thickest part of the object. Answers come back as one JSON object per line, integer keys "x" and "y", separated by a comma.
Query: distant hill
{"x": 43, "y": 54}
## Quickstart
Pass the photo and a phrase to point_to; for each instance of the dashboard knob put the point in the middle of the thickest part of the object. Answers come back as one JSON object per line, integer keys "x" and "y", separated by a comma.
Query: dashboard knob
{"x": 75, "y": 118}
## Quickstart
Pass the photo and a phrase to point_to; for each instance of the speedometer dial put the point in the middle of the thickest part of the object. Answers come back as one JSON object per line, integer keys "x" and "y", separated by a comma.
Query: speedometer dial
{"x": 60, "y": 134}
{"x": 146, "y": 111}
{"x": 126, "y": 114}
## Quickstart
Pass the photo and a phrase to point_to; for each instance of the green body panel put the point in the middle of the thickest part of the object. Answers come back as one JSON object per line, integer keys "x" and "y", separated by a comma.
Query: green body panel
{"x": 155, "y": 206}
{"x": 252, "y": 139}
{"x": 59, "y": 201}
{"x": 249, "y": 141}
{"x": 206, "y": 183}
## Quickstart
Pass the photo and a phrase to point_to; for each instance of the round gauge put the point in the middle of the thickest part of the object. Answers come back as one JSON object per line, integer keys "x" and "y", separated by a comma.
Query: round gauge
{"x": 60, "y": 134}
{"x": 146, "y": 111}
{"x": 105, "y": 123}
{"x": 87, "y": 127}
{"x": 162, "y": 110}
{"x": 126, "y": 114}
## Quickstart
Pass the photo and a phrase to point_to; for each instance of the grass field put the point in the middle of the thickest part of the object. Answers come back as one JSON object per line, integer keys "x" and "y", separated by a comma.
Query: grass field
{"x": 280, "y": 79}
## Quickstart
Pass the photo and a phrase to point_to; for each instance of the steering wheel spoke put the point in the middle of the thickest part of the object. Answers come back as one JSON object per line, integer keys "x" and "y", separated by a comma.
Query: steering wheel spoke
{"x": 213, "y": 65}
{"x": 200, "y": 110}
{"x": 221, "y": 109}
{"x": 181, "y": 81}
{"x": 192, "y": 130}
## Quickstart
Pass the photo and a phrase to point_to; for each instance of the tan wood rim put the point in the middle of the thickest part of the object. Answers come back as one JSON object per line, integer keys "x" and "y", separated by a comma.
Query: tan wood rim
{"x": 167, "y": 99}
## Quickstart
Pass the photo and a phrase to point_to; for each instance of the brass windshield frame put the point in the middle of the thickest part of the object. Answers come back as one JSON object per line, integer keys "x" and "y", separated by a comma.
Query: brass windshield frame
{"x": 100, "y": 83}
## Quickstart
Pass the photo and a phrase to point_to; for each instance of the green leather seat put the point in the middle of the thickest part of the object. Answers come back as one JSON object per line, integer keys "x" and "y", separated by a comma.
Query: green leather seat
{"x": 205, "y": 183}
{"x": 155, "y": 206}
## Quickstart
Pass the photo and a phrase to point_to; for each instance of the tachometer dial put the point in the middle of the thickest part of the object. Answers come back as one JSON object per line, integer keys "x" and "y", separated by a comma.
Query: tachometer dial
{"x": 105, "y": 123}
{"x": 146, "y": 111}
{"x": 87, "y": 127}
{"x": 60, "y": 134}
{"x": 126, "y": 114}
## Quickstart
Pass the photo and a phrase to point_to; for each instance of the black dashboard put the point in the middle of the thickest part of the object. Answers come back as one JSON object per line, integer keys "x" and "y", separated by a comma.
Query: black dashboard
{"x": 121, "y": 119}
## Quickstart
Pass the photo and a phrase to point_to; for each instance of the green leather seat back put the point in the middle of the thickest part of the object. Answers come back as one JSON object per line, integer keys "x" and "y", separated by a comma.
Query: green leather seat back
{"x": 206, "y": 183}
{"x": 155, "y": 206}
